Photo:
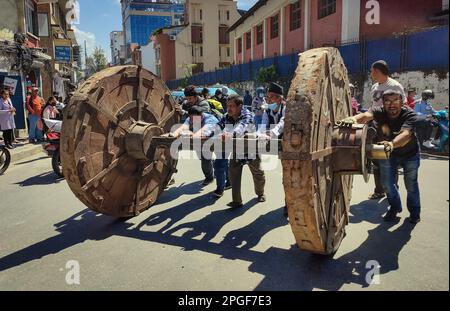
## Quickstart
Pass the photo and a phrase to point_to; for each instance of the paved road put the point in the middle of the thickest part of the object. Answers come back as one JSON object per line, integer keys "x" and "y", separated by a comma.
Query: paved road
{"x": 190, "y": 242}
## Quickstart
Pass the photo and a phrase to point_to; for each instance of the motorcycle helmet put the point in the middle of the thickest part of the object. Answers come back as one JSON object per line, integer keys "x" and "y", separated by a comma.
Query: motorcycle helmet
{"x": 260, "y": 92}
{"x": 427, "y": 94}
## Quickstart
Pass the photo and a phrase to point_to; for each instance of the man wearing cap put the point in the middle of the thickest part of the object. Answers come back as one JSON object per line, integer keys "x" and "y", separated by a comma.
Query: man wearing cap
{"x": 380, "y": 75}
{"x": 199, "y": 124}
{"x": 272, "y": 125}
{"x": 396, "y": 131}
{"x": 192, "y": 99}
{"x": 34, "y": 107}
{"x": 273, "y": 118}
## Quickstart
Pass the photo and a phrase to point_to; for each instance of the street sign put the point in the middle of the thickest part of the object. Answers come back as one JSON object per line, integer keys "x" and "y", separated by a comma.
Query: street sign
{"x": 63, "y": 54}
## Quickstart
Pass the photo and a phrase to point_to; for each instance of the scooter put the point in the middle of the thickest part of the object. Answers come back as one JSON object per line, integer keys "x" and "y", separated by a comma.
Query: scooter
{"x": 53, "y": 144}
{"x": 5, "y": 159}
{"x": 441, "y": 143}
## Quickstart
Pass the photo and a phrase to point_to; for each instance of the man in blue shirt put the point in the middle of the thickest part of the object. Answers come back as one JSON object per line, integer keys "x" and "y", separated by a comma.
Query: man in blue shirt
{"x": 237, "y": 122}
{"x": 425, "y": 112}
{"x": 199, "y": 124}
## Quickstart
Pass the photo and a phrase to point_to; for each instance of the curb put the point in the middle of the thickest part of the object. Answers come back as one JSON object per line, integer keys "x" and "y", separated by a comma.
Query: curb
{"x": 25, "y": 151}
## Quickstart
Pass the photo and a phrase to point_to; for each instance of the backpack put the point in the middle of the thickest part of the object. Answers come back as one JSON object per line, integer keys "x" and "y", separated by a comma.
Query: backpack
{"x": 216, "y": 108}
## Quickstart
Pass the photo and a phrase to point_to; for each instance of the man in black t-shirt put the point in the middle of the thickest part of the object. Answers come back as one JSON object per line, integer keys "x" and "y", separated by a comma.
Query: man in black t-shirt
{"x": 395, "y": 125}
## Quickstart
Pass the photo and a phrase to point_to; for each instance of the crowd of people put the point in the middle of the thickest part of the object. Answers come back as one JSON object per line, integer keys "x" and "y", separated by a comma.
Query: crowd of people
{"x": 39, "y": 114}
{"x": 396, "y": 117}
{"x": 400, "y": 121}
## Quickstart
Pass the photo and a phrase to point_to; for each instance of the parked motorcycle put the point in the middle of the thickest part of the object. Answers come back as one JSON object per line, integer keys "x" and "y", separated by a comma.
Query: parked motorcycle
{"x": 52, "y": 145}
{"x": 442, "y": 142}
{"x": 5, "y": 159}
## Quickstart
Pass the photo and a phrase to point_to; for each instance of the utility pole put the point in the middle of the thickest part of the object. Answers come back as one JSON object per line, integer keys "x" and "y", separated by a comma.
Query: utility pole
{"x": 85, "y": 55}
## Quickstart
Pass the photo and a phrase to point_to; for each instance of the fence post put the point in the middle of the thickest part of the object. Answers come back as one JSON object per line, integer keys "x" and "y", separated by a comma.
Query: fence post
{"x": 403, "y": 52}
{"x": 362, "y": 55}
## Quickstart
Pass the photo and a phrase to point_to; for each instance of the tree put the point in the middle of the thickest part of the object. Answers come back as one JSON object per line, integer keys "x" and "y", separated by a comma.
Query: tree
{"x": 96, "y": 61}
{"x": 266, "y": 75}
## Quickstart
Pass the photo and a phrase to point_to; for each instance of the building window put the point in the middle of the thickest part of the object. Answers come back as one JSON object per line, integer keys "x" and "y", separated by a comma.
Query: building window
{"x": 201, "y": 14}
{"x": 228, "y": 15}
{"x": 228, "y": 52}
{"x": 259, "y": 34}
{"x": 31, "y": 18}
{"x": 196, "y": 34}
{"x": 274, "y": 27}
{"x": 248, "y": 40}
{"x": 220, "y": 52}
{"x": 219, "y": 15}
{"x": 326, "y": 7}
{"x": 43, "y": 25}
{"x": 296, "y": 15}
{"x": 201, "y": 51}
{"x": 239, "y": 45}
{"x": 224, "y": 37}
{"x": 193, "y": 54}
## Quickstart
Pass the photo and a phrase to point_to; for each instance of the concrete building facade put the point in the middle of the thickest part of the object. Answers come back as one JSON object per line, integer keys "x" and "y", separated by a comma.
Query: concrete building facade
{"x": 279, "y": 27}
{"x": 202, "y": 44}
{"x": 140, "y": 18}
{"x": 57, "y": 37}
{"x": 117, "y": 45}
{"x": 22, "y": 59}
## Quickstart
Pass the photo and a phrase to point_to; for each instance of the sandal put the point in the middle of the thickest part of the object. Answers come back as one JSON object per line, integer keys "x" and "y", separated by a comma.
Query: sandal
{"x": 376, "y": 196}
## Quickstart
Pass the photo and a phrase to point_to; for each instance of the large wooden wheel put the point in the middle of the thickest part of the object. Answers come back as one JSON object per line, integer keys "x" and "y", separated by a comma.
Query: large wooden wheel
{"x": 317, "y": 195}
{"x": 101, "y": 138}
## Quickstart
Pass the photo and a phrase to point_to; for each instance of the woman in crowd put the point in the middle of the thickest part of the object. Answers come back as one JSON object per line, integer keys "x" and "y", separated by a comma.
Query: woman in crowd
{"x": 7, "y": 124}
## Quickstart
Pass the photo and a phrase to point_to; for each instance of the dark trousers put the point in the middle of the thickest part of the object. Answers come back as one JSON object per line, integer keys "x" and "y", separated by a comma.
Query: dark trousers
{"x": 259, "y": 178}
{"x": 8, "y": 136}
{"x": 207, "y": 166}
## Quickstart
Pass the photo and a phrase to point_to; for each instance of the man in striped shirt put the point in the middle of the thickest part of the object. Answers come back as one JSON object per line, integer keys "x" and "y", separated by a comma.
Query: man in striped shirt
{"x": 235, "y": 124}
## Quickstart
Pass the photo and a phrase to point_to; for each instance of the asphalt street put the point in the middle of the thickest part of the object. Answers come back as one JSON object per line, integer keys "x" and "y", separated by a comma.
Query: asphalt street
{"x": 189, "y": 241}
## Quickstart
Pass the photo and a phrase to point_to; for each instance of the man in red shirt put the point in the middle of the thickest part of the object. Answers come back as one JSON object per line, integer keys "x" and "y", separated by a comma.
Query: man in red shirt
{"x": 34, "y": 107}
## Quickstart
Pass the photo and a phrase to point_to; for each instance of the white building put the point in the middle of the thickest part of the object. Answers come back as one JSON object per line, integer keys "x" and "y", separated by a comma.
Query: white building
{"x": 117, "y": 47}
{"x": 149, "y": 57}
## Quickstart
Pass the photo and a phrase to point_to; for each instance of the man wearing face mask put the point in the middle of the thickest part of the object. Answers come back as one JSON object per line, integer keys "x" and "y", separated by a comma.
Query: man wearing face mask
{"x": 272, "y": 125}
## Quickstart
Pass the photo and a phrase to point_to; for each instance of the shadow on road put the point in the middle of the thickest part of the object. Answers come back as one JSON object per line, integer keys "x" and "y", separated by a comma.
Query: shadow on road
{"x": 283, "y": 269}
{"x": 41, "y": 179}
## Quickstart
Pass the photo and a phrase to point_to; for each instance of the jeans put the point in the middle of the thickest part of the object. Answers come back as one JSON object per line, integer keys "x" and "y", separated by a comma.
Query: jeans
{"x": 221, "y": 171}
{"x": 34, "y": 133}
{"x": 388, "y": 169}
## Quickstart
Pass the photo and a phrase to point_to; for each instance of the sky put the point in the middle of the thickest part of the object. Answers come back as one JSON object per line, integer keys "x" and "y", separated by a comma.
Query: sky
{"x": 99, "y": 17}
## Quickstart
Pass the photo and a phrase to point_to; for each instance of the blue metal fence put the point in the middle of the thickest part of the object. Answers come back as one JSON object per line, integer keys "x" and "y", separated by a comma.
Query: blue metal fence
{"x": 422, "y": 50}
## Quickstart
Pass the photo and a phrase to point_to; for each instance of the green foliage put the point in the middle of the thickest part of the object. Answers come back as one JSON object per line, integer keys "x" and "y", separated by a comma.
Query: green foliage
{"x": 96, "y": 61}
{"x": 185, "y": 82}
{"x": 266, "y": 75}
